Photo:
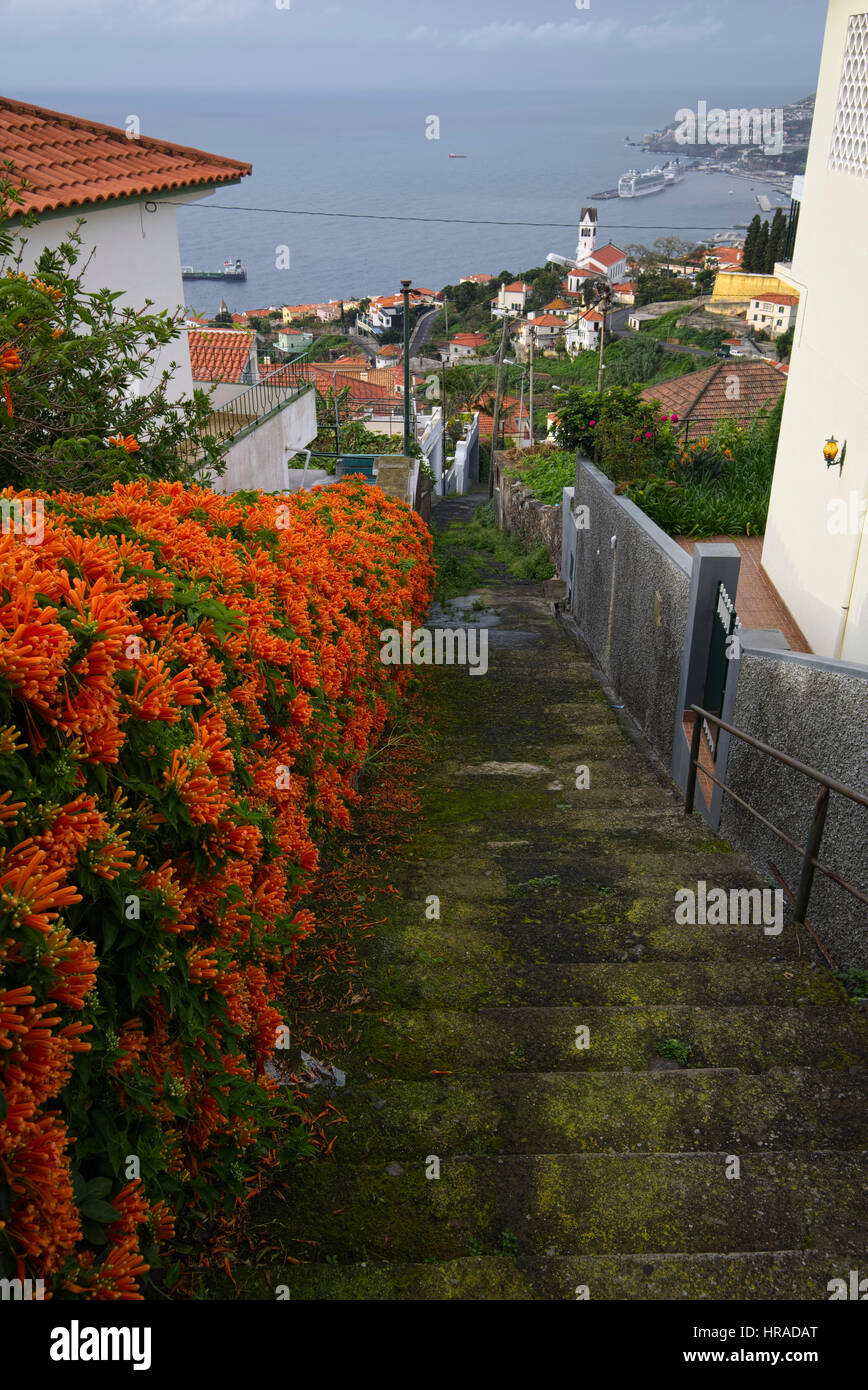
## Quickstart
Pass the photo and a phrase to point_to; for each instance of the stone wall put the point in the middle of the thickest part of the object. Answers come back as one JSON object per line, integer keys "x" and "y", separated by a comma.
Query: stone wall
{"x": 816, "y": 711}
{"x": 630, "y": 599}
{"x": 524, "y": 515}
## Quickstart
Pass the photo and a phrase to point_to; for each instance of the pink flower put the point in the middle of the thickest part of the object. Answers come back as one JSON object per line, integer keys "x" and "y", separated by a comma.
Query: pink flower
{"x": 635, "y": 439}
{"x": 592, "y": 422}
{"x": 674, "y": 419}
{"x": 648, "y": 434}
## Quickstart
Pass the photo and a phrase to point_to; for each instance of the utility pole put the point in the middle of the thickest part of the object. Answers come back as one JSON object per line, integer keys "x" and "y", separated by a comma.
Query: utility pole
{"x": 530, "y": 394}
{"x": 495, "y": 419}
{"x": 604, "y": 307}
{"x": 405, "y": 290}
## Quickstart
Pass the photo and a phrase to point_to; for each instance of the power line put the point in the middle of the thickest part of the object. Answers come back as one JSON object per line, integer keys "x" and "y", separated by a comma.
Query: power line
{"x": 451, "y": 221}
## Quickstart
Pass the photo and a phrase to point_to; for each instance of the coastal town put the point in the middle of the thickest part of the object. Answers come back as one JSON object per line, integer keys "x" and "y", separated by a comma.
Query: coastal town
{"x": 434, "y": 721}
{"x": 543, "y": 323}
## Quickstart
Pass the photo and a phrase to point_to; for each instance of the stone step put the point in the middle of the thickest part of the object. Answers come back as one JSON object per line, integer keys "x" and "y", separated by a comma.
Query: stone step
{"x": 600, "y": 1204}
{"x": 791, "y": 1275}
{"x": 444, "y": 984}
{"x": 657, "y": 1111}
{"x": 473, "y": 932}
{"x": 380, "y": 1039}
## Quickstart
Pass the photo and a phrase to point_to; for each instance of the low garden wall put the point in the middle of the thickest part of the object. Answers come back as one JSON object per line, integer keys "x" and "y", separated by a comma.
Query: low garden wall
{"x": 816, "y": 711}
{"x": 524, "y": 514}
{"x": 630, "y": 598}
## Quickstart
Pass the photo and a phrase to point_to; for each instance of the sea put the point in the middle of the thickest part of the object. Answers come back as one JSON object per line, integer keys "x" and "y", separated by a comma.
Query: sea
{"x": 351, "y": 192}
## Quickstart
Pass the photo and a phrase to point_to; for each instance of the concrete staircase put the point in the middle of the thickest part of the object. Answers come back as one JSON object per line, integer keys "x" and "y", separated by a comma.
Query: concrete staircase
{"x": 487, "y": 1156}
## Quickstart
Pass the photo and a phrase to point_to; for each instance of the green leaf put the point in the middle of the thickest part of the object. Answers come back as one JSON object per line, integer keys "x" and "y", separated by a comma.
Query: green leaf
{"x": 96, "y": 1210}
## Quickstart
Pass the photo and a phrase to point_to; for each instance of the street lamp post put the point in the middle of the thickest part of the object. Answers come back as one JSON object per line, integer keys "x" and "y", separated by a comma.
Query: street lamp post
{"x": 405, "y": 290}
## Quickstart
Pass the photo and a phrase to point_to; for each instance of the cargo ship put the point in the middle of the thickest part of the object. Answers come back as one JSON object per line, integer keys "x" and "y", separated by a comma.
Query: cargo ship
{"x": 232, "y": 270}
{"x": 636, "y": 185}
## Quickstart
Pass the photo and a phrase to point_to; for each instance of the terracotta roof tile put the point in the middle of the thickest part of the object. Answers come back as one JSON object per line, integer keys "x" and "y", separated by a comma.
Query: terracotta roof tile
{"x": 219, "y": 354}
{"x": 71, "y": 163}
{"x": 607, "y": 255}
{"x": 704, "y": 397}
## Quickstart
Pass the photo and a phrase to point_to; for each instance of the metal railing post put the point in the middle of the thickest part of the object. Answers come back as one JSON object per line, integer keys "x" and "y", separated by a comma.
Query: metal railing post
{"x": 812, "y": 852}
{"x": 690, "y": 789}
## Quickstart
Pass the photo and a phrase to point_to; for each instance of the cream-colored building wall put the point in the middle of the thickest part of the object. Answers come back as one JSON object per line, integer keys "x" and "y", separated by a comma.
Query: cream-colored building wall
{"x": 816, "y": 550}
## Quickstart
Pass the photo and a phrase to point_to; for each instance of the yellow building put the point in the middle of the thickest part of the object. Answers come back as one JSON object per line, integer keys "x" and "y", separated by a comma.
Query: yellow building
{"x": 741, "y": 286}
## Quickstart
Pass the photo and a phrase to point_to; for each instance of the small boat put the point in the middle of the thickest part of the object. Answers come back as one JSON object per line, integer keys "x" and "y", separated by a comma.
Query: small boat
{"x": 458, "y": 156}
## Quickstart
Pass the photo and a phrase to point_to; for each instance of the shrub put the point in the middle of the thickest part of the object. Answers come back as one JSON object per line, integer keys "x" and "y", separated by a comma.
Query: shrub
{"x": 188, "y": 685}
{"x": 72, "y": 411}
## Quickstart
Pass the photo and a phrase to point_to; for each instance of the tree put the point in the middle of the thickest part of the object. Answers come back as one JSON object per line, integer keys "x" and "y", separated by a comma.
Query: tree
{"x": 644, "y": 259}
{"x": 777, "y": 239}
{"x": 72, "y": 364}
{"x": 748, "y": 259}
{"x": 704, "y": 279}
{"x": 762, "y": 250}
{"x": 672, "y": 248}
{"x": 784, "y": 344}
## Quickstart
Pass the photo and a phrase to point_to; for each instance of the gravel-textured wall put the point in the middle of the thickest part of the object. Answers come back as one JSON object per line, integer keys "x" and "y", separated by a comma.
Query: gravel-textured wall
{"x": 815, "y": 711}
{"x": 630, "y": 600}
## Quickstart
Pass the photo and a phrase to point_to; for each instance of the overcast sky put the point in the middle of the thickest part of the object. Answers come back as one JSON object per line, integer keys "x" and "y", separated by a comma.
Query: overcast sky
{"x": 79, "y": 45}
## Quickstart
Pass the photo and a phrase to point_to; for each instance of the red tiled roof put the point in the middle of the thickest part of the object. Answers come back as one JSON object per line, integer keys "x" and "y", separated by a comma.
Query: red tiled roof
{"x": 516, "y": 285}
{"x": 481, "y": 278}
{"x": 469, "y": 339}
{"x": 390, "y": 350}
{"x": 325, "y": 377}
{"x": 704, "y": 397}
{"x": 219, "y": 354}
{"x": 547, "y": 321}
{"x": 592, "y": 316}
{"x": 69, "y": 162}
{"x": 776, "y": 298}
{"x": 607, "y": 255}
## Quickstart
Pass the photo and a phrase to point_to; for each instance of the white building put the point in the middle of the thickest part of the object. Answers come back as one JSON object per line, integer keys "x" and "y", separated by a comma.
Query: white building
{"x": 125, "y": 190}
{"x": 511, "y": 299}
{"x": 816, "y": 550}
{"x": 775, "y": 314}
{"x": 465, "y": 346}
{"x": 584, "y": 336}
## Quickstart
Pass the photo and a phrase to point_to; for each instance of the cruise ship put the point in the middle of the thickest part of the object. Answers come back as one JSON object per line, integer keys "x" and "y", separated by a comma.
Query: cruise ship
{"x": 636, "y": 185}
{"x": 674, "y": 171}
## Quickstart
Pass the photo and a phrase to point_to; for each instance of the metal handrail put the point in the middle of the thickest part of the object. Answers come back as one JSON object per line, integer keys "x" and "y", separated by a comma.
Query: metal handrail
{"x": 811, "y": 849}
{"x": 260, "y": 399}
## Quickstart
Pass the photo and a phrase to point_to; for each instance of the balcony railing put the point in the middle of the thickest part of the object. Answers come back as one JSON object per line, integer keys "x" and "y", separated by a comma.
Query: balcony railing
{"x": 252, "y": 406}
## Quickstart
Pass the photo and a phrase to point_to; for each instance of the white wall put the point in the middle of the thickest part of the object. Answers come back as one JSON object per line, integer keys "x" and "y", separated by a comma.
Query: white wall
{"x": 260, "y": 458}
{"x": 815, "y": 569}
{"x": 136, "y": 251}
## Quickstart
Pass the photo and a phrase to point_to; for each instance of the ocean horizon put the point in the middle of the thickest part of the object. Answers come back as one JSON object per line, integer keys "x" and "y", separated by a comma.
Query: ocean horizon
{"x": 320, "y": 159}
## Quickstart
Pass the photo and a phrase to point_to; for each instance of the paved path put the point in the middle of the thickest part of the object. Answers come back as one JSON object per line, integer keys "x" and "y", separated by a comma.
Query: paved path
{"x": 571, "y": 1158}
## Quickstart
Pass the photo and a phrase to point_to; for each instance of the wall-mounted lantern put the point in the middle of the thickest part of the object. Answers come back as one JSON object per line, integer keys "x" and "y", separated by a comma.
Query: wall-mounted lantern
{"x": 833, "y": 453}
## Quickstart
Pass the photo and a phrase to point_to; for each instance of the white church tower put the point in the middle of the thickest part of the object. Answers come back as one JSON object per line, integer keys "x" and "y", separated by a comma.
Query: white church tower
{"x": 587, "y": 234}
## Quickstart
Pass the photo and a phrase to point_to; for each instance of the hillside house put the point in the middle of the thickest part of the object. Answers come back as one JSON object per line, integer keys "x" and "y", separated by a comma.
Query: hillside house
{"x": 126, "y": 191}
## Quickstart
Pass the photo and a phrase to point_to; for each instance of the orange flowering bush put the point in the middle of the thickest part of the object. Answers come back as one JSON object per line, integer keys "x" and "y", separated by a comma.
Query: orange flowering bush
{"x": 189, "y": 684}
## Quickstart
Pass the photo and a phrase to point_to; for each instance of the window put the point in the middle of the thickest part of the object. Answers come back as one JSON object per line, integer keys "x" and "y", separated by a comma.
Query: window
{"x": 849, "y": 152}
